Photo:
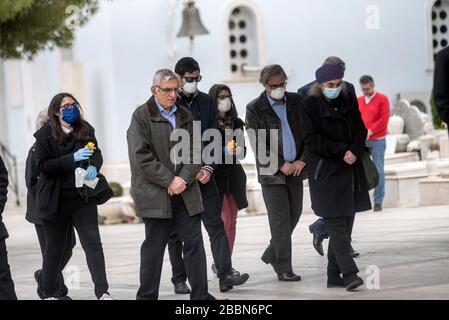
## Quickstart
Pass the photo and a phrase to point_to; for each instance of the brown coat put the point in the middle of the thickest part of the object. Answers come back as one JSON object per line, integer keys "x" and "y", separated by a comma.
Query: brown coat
{"x": 152, "y": 170}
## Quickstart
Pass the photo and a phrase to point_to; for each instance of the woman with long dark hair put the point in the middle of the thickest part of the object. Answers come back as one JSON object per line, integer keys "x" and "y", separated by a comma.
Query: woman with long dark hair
{"x": 61, "y": 148}
{"x": 230, "y": 177}
{"x": 335, "y": 135}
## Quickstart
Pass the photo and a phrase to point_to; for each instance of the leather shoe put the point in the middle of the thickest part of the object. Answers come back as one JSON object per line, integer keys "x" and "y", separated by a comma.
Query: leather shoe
{"x": 377, "y": 207}
{"x": 227, "y": 283}
{"x": 352, "y": 282}
{"x": 289, "y": 277}
{"x": 317, "y": 242}
{"x": 181, "y": 288}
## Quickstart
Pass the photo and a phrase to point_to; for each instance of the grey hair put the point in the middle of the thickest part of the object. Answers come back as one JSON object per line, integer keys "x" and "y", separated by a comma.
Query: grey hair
{"x": 42, "y": 118}
{"x": 270, "y": 71}
{"x": 337, "y": 61}
{"x": 164, "y": 75}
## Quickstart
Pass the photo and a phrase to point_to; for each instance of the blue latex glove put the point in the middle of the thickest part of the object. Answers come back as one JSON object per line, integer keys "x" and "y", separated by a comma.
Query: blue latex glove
{"x": 82, "y": 154}
{"x": 91, "y": 173}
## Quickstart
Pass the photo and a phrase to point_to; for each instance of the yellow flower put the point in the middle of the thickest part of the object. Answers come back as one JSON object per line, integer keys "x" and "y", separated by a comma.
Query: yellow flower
{"x": 232, "y": 145}
{"x": 91, "y": 146}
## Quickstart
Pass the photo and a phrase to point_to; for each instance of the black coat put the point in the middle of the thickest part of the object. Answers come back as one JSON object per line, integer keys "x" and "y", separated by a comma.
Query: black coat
{"x": 441, "y": 84}
{"x": 51, "y": 164}
{"x": 336, "y": 188}
{"x": 231, "y": 178}
{"x": 3, "y": 197}
{"x": 261, "y": 116}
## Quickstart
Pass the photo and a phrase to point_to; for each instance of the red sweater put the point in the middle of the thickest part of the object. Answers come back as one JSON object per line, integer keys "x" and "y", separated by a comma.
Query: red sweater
{"x": 375, "y": 115}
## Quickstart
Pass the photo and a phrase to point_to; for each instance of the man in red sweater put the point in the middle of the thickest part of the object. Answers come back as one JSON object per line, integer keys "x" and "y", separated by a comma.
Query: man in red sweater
{"x": 375, "y": 110}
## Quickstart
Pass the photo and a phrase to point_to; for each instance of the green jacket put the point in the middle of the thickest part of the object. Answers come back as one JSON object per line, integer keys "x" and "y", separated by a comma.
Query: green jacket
{"x": 152, "y": 170}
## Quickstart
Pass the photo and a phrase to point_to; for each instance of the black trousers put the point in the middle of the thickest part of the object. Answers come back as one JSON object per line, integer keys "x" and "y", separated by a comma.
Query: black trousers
{"x": 219, "y": 241}
{"x": 157, "y": 233}
{"x": 61, "y": 288}
{"x": 84, "y": 218}
{"x": 284, "y": 205}
{"x": 339, "y": 256}
{"x": 7, "y": 291}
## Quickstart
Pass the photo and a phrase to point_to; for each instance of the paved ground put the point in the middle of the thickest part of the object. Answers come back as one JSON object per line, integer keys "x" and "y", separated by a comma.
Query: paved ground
{"x": 408, "y": 247}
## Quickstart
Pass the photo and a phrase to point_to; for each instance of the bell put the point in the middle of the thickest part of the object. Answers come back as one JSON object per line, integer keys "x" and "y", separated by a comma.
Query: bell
{"x": 191, "y": 22}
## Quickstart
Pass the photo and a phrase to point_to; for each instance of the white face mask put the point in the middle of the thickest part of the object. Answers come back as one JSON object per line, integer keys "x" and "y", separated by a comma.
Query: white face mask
{"x": 225, "y": 105}
{"x": 190, "y": 87}
{"x": 278, "y": 94}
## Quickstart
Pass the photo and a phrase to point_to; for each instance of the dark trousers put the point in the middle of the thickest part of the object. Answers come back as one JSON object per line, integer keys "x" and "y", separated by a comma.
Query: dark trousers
{"x": 61, "y": 288}
{"x": 339, "y": 256}
{"x": 219, "y": 241}
{"x": 157, "y": 233}
{"x": 7, "y": 291}
{"x": 84, "y": 218}
{"x": 284, "y": 206}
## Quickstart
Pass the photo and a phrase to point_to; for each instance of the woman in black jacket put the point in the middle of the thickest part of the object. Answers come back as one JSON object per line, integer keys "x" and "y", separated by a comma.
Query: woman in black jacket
{"x": 335, "y": 136}
{"x": 60, "y": 149}
{"x": 31, "y": 180}
{"x": 230, "y": 176}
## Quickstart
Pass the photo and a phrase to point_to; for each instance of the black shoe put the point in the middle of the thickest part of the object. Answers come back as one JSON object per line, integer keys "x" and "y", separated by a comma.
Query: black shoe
{"x": 227, "y": 283}
{"x": 215, "y": 271}
{"x": 354, "y": 253}
{"x": 181, "y": 288}
{"x": 352, "y": 282}
{"x": 64, "y": 298}
{"x": 317, "y": 242}
{"x": 265, "y": 260}
{"x": 335, "y": 282}
{"x": 235, "y": 272}
{"x": 377, "y": 207}
{"x": 289, "y": 277}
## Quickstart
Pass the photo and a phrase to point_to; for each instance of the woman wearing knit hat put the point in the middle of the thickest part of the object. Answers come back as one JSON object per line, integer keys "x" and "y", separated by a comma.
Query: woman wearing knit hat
{"x": 335, "y": 136}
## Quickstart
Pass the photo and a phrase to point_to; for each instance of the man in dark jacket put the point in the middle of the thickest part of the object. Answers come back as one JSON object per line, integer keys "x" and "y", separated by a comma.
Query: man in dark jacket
{"x": 281, "y": 177}
{"x": 7, "y": 291}
{"x": 318, "y": 228}
{"x": 441, "y": 84}
{"x": 165, "y": 191}
{"x": 201, "y": 106}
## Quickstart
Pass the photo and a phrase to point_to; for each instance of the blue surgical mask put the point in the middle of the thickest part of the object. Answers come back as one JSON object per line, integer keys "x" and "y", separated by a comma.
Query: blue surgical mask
{"x": 70, "y": 115}
{"x": 332, "y": 93}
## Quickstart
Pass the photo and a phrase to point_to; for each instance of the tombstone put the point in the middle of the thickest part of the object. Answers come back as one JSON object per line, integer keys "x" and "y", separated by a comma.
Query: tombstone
{"x": 414, "y": 125}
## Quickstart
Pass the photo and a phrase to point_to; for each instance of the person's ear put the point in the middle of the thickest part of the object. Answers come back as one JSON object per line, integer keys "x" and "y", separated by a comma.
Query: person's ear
{"x": 153, "y": 90}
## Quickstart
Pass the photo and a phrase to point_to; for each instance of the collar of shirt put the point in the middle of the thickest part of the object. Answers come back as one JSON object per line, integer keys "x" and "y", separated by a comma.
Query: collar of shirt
{"x": 164, "y": 112}
{"x": 369, "y": 99}
{"x": 274, "y": 103}
{"x": 66, "y": 130}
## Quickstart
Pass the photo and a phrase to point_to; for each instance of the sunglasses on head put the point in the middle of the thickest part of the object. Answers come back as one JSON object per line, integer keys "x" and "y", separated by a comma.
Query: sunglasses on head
{"x": 193, "y": 79}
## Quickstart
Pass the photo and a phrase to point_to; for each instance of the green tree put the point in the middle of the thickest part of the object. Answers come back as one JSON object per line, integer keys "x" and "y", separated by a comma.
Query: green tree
{"x": 29, "y": 26}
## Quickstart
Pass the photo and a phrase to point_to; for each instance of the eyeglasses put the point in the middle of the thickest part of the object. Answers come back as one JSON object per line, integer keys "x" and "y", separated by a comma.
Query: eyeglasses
{"x": 168, "y": 90}
{"x": 276, "y": 86}
{"x": 193, "y": 79}
{"x": 69, "y": 106}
